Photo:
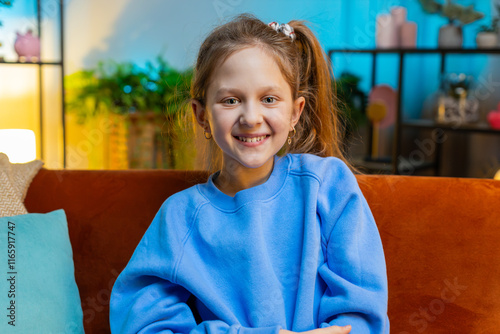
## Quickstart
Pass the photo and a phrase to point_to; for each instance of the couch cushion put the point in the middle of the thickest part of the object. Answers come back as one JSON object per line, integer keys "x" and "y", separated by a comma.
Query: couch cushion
{"x": 39, "y": 293}
{"x": 14, "y": 182}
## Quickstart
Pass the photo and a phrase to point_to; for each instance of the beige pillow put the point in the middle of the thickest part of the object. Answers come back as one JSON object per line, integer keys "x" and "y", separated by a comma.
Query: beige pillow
{"x": 14, "y": 182}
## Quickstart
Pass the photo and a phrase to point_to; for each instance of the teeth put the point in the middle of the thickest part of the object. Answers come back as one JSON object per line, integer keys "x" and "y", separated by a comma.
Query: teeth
{"x": 252, "y": 140}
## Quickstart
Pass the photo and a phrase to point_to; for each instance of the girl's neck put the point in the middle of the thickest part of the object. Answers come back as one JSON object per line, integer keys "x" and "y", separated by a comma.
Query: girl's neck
{"x": 232, "y": 179}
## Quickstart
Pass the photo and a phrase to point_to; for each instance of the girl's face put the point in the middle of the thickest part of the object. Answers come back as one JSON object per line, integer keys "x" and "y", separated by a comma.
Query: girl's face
{"x": 249, "y": 109}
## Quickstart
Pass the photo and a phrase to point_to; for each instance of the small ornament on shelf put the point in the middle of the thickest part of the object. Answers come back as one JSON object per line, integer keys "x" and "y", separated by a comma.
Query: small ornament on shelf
{"x": 455, "y": 104}
{"x": 494, "y": 118}
{"x": 381, "y": 112}
{"x": 27, "y": 47}
{"x": 376, "y": 112}
{"x": 393, "y": 30}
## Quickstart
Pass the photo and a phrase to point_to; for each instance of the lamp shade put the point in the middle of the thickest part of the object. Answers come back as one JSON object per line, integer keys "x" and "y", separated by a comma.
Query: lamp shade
{"x": 18, "y": 144}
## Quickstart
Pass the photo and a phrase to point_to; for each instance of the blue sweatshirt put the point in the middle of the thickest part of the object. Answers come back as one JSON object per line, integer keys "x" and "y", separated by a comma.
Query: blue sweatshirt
{"x": 298, "y": 252}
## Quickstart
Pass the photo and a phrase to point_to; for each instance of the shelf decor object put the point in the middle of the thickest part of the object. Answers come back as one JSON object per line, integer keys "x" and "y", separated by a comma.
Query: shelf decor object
{"x": 494, "y": 118}
{"x": 497, "y": 175}
{"x": 386, "y": 34}
{"x": 488, "y": 36}
{"x": 27, "y": 47}
{"x": 398, "y": 163}
{"x": 394, "y": 31}
{"x": 376, "y": 112}
{"x": 456, "y": 105}
{"x": 486, "y": 39}
{"x": 387, "y": 96}
{"x": 450, "y": 35}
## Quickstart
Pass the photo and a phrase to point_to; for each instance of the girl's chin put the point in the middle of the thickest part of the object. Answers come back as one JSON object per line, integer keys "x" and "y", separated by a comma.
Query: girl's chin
{"x": 257, "y": 163}
{"x": 254, "y": 164}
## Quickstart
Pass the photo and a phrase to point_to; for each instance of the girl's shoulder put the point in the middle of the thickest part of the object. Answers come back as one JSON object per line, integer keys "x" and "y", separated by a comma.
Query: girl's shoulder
{"x": 323, "y": 168}
{"x": 184, "y": 201}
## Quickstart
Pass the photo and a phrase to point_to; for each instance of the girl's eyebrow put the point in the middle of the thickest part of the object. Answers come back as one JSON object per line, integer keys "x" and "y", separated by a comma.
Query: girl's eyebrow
{"x": 224, "y": 90}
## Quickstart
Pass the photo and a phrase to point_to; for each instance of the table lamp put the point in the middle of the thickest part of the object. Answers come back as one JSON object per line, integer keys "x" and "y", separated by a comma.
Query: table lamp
{"x": 18, "y": 144}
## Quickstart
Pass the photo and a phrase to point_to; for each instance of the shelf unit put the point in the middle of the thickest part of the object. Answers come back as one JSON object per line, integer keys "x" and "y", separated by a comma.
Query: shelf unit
{"x": 40, "y": 65}
{"x": 395, "y": 166}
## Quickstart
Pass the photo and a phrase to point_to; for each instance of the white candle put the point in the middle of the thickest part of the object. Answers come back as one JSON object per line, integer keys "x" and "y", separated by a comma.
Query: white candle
{"x": 386, "y": 36}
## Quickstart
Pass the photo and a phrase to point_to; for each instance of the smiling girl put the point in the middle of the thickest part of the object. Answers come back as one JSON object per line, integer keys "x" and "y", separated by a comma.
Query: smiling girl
{"x": 269, "y": 244}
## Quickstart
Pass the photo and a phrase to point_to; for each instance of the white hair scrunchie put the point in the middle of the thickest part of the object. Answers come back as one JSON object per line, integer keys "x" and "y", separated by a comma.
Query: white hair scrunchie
{"x": 284, "y": 28}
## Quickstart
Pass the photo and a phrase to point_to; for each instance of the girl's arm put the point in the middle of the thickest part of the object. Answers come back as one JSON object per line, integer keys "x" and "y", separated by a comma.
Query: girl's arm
{"x": 354, "y": 270}
{"x": 149, "y": 305}
{"x": 146, "y": 297}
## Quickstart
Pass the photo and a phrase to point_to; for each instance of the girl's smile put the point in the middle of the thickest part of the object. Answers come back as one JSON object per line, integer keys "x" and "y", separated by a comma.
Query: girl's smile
{"x": 252, "y": 141}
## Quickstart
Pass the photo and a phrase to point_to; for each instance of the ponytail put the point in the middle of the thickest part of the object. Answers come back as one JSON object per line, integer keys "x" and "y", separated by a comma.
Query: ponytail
{"x": 319, "y": 127}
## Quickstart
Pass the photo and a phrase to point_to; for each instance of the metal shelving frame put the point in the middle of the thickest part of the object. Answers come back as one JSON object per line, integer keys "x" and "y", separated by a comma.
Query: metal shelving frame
{"x": 40, "y": 65}
{"x": 422, "y": 124}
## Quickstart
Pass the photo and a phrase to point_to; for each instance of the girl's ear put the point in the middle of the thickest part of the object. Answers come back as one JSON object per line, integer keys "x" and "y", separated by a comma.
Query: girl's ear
{"x": 200, "y": 114}
{"x": 298, "y": 107}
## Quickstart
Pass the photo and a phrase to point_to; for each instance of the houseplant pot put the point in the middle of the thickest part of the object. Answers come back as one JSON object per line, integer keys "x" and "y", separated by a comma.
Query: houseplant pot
{"x": 151, "y": 101}
{"x": 489, "y": 35}
{"x": 450, "y": 36}
{"x": 486, "y": 39}
{"x": 455, "y": 103}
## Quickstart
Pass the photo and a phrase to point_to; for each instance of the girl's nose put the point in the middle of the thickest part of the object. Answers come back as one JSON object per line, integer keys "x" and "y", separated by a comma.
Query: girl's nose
{"x": 251, "y": 115}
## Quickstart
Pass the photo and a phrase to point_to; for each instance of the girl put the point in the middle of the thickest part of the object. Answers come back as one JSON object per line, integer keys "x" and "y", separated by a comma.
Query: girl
{"x": 268, "y": 244}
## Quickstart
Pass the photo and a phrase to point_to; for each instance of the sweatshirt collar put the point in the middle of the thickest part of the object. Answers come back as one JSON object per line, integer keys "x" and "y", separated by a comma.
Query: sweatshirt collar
{"x": 262, "y": 192}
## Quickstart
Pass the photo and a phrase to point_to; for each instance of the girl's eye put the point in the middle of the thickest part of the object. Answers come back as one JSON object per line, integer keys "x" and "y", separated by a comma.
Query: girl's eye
{"x": 231, "y": 101}
{"x": 269, "y": 99}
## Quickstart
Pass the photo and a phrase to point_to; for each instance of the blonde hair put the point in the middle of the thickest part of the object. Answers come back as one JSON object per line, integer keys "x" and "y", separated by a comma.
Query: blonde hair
{"x": 304, "y": 66}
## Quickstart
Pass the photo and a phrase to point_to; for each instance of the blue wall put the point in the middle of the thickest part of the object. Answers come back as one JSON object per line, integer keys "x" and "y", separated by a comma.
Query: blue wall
{"x": 175, "y": 30}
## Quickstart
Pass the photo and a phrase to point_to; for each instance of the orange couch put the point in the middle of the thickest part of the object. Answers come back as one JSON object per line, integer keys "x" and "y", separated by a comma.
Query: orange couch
{"x": 440, "y": 235}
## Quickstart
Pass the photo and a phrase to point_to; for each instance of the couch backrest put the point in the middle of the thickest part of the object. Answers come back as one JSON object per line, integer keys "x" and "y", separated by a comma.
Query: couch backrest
{"x": 440, "y": 238}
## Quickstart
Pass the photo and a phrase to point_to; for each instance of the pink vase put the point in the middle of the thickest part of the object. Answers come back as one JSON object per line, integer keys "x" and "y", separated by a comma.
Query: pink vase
{"x": 408, "y": 35}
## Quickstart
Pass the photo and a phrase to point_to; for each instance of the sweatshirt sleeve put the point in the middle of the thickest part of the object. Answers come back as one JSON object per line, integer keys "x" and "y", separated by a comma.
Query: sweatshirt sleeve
{"x": 354, "y": 270}
{"x": 145, "y": 297}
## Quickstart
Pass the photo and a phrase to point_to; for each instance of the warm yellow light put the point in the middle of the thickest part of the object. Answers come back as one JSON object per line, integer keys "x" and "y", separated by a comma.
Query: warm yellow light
{"x": 18, "y": 144}
{"x": 497, "y": 175}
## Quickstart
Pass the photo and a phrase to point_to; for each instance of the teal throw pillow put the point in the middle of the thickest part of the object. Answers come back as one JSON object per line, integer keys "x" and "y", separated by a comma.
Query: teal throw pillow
{"x": 38, "y": 292}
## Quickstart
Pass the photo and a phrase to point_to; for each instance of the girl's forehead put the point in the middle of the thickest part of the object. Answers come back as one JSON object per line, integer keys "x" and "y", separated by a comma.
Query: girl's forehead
{"x": 248, "y": 64}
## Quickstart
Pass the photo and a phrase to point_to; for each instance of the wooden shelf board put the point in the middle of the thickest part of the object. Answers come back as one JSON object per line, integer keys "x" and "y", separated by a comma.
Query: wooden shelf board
{"x": 365, "y": 164}
{"x": 419, "y": 51}
{"x": 430, "y": 124}
{"x": 29, "y": 63}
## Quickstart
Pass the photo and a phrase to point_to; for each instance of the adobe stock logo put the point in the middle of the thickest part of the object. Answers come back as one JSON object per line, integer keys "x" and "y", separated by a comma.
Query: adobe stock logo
{"x": 425, "y": 315}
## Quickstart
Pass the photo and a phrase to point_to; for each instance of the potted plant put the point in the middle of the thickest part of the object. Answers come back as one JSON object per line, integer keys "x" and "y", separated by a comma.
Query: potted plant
{"x": 352, "y": 105}
{"x": 487, "y": 37}
{"x": 151, "y": 101}
{"x": 450, "y": 35}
